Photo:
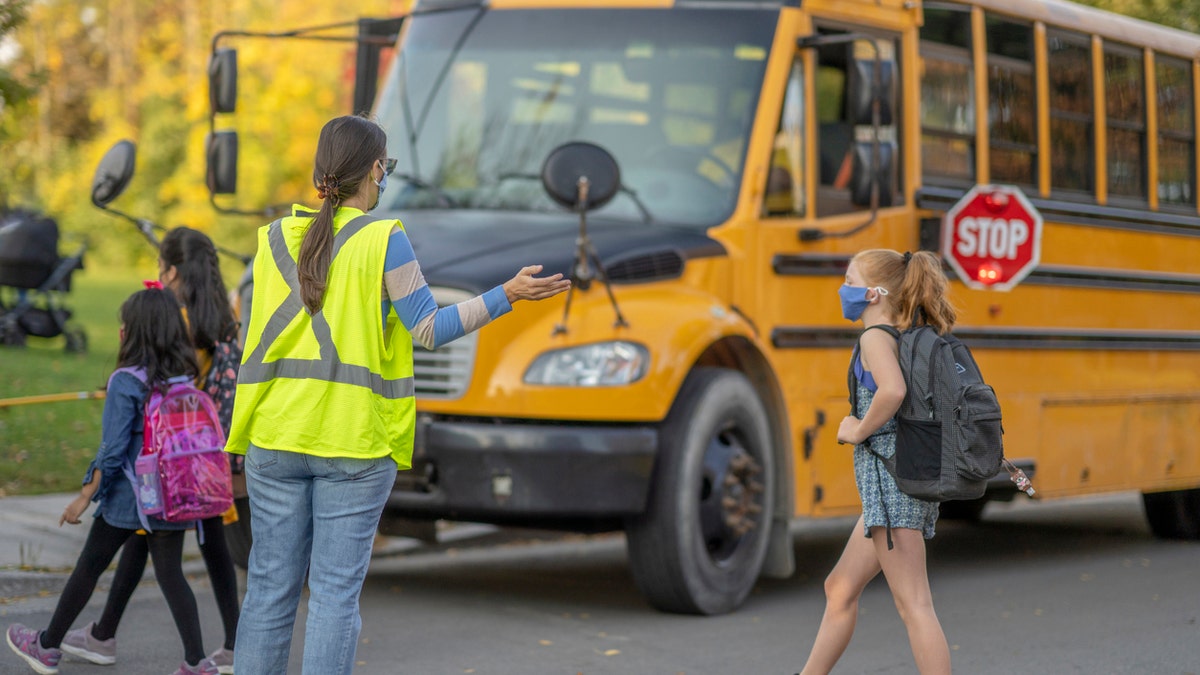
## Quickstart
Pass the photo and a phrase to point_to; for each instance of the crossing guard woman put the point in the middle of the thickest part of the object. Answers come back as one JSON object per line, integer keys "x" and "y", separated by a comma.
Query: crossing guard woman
{"x": 325, "y": 408}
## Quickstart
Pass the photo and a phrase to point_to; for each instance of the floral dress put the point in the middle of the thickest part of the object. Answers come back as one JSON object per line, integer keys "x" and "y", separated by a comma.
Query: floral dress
{"x": 884, "y": 505}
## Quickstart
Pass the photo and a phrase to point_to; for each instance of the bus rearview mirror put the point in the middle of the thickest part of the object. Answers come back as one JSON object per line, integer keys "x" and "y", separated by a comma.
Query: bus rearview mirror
{"x": 883, "y": 176}
{"x": 862, "y": 90}
{"x": 221, "y": 152}
{"x": 222, "y": 81}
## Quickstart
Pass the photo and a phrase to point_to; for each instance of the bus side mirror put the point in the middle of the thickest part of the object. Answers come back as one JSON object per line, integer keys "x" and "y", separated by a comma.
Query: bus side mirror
{"x": 221, "y": 151}
{"x": 862, "y": 178}
{"x": 222, "y": 81}
{"x": 862, "y": 91}
{"x": 113, "y": 173}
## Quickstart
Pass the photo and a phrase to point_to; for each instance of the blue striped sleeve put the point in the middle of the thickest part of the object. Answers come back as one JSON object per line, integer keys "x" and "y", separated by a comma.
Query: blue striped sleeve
{"x": 409, "y": 295}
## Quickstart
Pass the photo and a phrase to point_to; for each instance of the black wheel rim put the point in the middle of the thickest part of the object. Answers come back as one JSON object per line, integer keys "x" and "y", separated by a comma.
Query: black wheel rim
{"x": 731, "y": 495}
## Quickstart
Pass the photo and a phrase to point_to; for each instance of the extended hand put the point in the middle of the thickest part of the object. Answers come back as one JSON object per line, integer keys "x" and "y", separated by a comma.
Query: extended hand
{"x": 525, "y": 286}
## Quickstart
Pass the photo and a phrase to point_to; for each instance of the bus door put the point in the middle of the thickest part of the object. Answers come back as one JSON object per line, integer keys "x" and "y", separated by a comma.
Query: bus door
{"x": 832, "y": 187}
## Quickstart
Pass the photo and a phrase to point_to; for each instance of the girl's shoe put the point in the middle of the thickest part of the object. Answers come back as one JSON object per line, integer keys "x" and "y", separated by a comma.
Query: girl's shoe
{"x": 205, "y": 667}
{"x": 81, "y": 643}
{"x": 223, "y": 660}
{"x": 26, "y": 643}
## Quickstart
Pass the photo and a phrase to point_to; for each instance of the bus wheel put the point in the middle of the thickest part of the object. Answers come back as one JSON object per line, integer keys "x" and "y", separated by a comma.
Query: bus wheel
{"x": 1175, "y": 514}
{"x": 700, "y": 544}
{"x": 237, "y": 535}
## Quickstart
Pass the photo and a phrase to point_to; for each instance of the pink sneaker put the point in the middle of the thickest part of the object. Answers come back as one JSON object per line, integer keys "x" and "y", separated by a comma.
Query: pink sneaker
{"x": 26, "y": 643}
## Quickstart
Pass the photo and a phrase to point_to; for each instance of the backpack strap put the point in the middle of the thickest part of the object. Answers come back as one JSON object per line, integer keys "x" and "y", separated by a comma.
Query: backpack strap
{"x": 851, "y": 380}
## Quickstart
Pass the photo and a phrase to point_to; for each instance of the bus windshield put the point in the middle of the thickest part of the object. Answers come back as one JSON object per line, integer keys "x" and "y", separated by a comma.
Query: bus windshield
{"x": 477, "y": 99}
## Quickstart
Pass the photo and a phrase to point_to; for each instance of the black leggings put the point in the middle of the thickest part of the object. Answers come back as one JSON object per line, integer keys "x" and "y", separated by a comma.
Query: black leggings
{"x": 220, "y": 571}
{"x": 166, "y": 549}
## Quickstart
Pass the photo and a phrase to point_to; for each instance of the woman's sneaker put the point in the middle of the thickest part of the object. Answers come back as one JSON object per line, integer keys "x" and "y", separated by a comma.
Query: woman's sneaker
{"x": 26, "y": 643}
{"x": 205, "y": 667}
{"x": 81, "y": 643}
{"x": 223, "y": 660}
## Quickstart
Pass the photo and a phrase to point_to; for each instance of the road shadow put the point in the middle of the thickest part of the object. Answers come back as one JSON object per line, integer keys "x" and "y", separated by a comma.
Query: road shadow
{"x": 517, "y": 565}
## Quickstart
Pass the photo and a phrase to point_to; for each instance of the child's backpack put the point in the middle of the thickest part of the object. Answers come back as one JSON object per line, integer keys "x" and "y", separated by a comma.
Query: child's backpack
{"x": 221, "y": 382}
{"x": 949, "y": 435}
{"x": 182, "y": 473}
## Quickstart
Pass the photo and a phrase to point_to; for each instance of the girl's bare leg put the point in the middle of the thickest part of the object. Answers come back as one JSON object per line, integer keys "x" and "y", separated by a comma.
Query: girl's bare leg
{"x": 904, "y": 569}
{"x": 843, "y": 588}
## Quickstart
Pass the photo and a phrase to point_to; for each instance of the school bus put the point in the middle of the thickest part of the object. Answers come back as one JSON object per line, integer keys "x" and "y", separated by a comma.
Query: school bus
{"x": 689, "y": 390}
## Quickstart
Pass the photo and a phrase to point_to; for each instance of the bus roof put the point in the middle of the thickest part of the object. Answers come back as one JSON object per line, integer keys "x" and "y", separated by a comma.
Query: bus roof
{"x": 1108, "y": 25}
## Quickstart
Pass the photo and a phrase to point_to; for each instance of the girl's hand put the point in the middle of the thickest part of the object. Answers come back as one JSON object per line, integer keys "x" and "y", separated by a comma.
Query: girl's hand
{"x": 74, "y": 510}
{"x": 525, "y": 286}
{"x": 848, "y": 430}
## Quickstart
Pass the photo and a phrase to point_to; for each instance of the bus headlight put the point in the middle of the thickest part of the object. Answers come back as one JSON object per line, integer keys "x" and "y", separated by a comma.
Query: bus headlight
{"x": 597, "y": 365}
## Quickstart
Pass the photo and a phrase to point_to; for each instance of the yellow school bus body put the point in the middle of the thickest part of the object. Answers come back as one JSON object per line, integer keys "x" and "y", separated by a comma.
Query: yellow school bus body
{"x": 1095, "y": 356}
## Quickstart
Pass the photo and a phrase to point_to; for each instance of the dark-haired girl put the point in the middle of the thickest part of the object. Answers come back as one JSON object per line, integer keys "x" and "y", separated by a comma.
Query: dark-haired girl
{"x": 885, "y": 288}
{"x": 187, "y": 266}
{"x": 154, "y": 342}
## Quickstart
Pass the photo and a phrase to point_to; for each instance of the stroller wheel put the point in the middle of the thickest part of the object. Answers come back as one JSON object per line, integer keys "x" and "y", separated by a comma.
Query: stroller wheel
{"x": 11, "y": 334}
{"x": 77, "y": 342}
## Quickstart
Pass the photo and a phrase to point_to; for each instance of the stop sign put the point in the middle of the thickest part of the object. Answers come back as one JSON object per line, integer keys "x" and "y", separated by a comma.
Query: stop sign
{"x": 992, "y": 237}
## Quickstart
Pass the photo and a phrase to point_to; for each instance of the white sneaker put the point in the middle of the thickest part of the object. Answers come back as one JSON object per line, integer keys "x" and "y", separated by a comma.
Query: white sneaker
{"x": 79, "y": 642}
{"x": 223, "y": 660}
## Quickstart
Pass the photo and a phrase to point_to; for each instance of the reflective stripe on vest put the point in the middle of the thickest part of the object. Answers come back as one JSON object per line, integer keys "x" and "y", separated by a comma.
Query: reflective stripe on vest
{"x": 329, "y": 368}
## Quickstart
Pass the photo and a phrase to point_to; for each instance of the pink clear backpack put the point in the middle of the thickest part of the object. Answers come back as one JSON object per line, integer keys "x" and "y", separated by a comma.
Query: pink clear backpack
{"x": 182, "y": 473}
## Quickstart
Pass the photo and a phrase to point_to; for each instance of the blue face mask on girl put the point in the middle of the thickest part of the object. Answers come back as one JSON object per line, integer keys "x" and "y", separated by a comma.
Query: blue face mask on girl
{"x": 854, "y": 300}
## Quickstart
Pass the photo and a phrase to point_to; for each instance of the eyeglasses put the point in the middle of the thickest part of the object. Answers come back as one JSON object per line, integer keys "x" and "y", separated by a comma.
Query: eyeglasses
{"x": 389, "y": 165}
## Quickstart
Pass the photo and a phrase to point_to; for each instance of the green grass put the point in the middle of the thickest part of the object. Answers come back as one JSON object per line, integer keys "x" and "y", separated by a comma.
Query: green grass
{"x": 46, "y": 447}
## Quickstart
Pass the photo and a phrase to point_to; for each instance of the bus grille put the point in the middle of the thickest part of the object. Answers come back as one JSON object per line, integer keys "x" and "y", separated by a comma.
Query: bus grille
{"x": 445, "y": 372}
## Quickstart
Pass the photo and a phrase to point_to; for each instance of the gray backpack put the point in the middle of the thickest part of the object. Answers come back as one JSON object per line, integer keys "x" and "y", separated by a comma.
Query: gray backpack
{"x": 949, "y": 436}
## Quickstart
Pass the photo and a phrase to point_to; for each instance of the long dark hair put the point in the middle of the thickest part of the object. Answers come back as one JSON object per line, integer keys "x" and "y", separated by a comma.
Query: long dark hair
{"x": 155, "y": 337}
{"x": 346, "y": 151}
{"x": 201, "y": 289}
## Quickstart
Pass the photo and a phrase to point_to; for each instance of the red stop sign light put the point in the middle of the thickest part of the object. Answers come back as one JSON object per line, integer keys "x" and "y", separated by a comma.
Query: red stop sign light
{"x": 992, "y": 237}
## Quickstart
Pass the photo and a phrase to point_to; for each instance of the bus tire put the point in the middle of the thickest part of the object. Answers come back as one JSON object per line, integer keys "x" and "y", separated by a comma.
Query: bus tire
{"x": 699, "y": 546}
{"x": 237, "y": 534}
{"x": 1174, "y": 514}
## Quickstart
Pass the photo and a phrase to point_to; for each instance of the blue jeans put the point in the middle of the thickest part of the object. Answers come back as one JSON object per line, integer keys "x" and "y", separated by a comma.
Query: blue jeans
{"x": 308, "y": 513}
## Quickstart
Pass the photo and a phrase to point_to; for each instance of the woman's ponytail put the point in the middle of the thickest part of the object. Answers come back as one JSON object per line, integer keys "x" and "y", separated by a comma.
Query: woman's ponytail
{"x": 347, "y": 150}
{"x": 316, "y": 252}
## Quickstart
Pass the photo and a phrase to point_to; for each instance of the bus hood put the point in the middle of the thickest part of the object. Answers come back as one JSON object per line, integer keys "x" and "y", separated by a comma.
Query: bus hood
{"x": 477, "y": 250}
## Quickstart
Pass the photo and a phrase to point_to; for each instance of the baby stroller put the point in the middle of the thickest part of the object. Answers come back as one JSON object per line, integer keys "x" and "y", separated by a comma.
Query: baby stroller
{"x": 33, "y": 281}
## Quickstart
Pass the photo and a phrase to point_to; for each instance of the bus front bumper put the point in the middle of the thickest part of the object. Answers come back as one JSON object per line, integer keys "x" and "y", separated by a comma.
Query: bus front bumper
{"x": 512, "y": 472}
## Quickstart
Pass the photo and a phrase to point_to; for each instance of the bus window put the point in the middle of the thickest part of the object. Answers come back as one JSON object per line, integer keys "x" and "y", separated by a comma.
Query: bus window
{"x": 785, "y": 180}
{"x": 1071, "y": 114}
{"x": 1125, "y": 101}
{"x": 1012, "y": 103}
{"x": 1176, "y": 132}
{"x": 947, "y": 96}
{"x": 837, "y": 132}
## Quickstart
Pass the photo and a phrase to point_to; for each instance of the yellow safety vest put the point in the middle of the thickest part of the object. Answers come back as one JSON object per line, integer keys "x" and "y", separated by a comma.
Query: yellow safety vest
{"x": 338, "y": 383}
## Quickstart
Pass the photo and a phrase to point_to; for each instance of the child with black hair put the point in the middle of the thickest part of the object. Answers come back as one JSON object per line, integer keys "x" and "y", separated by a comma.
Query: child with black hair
{"x": 188, "y": 267}
{"x": 154, "y": 341}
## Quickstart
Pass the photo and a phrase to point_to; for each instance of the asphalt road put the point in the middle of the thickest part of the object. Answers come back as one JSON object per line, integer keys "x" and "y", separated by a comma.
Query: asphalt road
{"x": 1051, "y": 588}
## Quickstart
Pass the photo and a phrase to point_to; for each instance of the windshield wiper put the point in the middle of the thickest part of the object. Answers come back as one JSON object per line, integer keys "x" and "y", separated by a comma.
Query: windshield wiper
{"x": 444, "y": 200}
{"x": 646, "y": 217}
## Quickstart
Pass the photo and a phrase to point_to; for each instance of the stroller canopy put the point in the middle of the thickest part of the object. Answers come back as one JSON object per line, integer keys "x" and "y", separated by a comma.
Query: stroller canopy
{"x": 28, "y": 248}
